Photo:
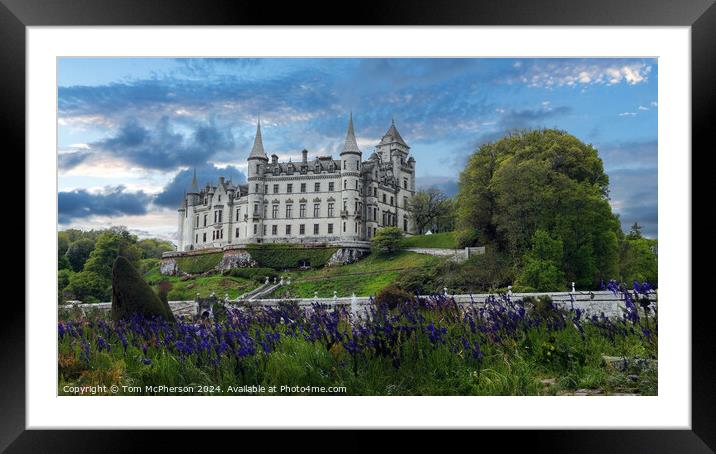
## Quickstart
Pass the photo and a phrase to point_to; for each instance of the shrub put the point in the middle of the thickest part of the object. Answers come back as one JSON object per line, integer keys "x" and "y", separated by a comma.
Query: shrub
{"x": 87, "y": 286}
{"x": 387, "y": 240}
{"x": 392, "y": 295}
{"x": 255, "y": 274}
{"x": 200, "y": 263}
{"x": 467, "y": 237}
{"x": 131, "y": 295}
{"x": 286, "y": 256}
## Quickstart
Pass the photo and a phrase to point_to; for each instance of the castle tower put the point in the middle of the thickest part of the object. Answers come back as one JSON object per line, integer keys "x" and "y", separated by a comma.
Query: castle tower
{"x": 351, "y": 228}
{"x": 257, "y": 161}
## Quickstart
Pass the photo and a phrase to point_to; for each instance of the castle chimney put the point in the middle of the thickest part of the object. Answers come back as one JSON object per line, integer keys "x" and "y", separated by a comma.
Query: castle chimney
{"x": 304, "y": 154}
{"x": 274, "y": 159}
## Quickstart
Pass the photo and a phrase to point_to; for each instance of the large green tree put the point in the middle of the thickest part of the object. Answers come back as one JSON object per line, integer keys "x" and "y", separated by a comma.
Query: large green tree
{"x": 78, "y": 253}
{"x": 543, "y": 180}
{"x": 428, "y": 206}
{"x": 111, "y": 244}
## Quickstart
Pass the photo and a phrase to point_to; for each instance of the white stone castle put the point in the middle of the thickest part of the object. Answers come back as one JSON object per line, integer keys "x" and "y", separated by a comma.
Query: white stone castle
{"x": 324, "y": 200}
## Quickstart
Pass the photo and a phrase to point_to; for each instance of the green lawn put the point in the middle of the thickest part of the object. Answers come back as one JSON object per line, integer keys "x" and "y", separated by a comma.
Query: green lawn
{"x": 444, "y": 240}
{"x": 204, "y": 285}
{"x": 365, "y": 277}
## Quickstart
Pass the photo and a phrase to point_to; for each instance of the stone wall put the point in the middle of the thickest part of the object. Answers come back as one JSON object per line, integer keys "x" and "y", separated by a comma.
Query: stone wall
{"x": 236, "y": 258}
{"x": 344, "y": 256}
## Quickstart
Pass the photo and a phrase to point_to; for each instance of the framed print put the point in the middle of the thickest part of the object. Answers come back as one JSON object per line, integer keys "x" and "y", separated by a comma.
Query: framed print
{"x": 447, "y": 220}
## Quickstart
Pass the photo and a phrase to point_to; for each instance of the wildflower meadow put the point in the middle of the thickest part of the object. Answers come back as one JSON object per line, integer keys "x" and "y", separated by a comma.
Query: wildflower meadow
{"x": 422, "y": 346}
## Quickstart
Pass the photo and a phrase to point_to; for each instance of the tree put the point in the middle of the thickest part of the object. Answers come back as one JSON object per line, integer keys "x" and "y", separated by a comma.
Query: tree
{"x": 638, "y": 260}
{"x": 111, "y": 244}
{"x": 63, "y": 280}
{"x": 78, "y": 252}
{"x": 87, "y": 286}
{"x": 542, "y": 270}
{"x": 635, "y": 232}
{"x": 427, "y": 207}
{"x": 387, "y": 240}
{"x": 549, "y": 180}
{"x": 132, "y": 295}
{"x": 152, "y": 248}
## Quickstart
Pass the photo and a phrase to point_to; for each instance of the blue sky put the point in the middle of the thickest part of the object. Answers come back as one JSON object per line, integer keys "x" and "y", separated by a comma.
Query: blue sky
{"x": 131, "y": 130}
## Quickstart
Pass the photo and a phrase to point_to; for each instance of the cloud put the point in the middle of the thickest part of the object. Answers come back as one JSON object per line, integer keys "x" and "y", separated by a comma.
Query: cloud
{"x": 627, "y": 114}
{"x": 634, "y": 196}
{"x": 161, "y": 147}
{"x": 171, "y": 195}
{"x": 571, "y": 73}
{"x": 112, "y": 201}
{"x": 446, "y": 184}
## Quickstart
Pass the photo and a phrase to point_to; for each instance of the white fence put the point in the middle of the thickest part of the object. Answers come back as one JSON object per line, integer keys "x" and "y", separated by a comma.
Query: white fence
{"x": 591, "y": 303}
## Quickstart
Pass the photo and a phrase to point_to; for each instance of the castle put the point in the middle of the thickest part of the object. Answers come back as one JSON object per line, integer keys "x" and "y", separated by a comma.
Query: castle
{"x": 325, "y": 200}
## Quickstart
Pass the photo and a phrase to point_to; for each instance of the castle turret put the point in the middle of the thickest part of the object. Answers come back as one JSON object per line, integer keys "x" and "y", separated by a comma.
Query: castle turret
{"x": 257, "y": 161}
{"x": 351, "y": 203}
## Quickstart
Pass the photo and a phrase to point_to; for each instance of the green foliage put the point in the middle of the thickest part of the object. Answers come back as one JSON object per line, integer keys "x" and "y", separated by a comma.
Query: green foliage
{"x": 386, "y": 240}
{"x": 153, "y": 248}
{"x": 130, "y": 294}
{"x": 480, "y": 273}
{"x": 199, "y": 263}
{"x": 392, "y": 295}
{"x": 78, "y": 253}
{"x": 467, "y": 237}
{"x": 289, "y": 256}
{"x": 111, "y": 244}
{"x": 548, "y": 180}
{"x": 87, "y": 286}
{"x": 63, "y": 263}
{"x": 63, "y": 280}
{"x": 638, "y": 260}
{"x": 445, "y": 240}
{"x": 256, "y": 274}
{"x": 541, "y": 270}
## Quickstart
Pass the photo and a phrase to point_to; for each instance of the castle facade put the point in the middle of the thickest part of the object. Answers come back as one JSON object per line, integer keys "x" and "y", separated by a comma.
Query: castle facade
{"x": 324, "y": 200}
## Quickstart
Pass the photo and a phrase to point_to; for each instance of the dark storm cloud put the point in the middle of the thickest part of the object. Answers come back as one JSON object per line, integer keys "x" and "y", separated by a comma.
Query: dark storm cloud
{"x": 114, "y": 201}
{"x": 446, "y": 184}
{"x": 162, "y": 148}
{"x": 171, "y": 195}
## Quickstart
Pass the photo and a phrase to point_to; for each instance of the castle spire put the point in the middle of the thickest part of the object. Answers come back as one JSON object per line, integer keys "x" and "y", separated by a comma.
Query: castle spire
{"x": 194, "y": 184}
{"x": 351, "y": 145}
{"x": 258, "y": 149}
{"x": 393, "y": 136}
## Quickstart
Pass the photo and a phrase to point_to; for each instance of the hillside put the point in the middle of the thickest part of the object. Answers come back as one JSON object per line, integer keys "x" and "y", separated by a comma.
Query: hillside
{"x": 445, "y": 240}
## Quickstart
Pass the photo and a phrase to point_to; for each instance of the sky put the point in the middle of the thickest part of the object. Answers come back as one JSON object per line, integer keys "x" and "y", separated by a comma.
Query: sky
{"x": 132, "y": 130}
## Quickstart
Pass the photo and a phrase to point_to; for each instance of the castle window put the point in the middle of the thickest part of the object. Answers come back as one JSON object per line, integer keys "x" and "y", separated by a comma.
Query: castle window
{"x": 237, "y": 232}
{"x": 330, "y": 210}
{"x": 302, "y": 229}
{"x": 221, "y": 212}
{"x": 274, "y": 211}
{"x": 288, "y": 229}
{"x": 405, "y": 183}
{"x": 375, "y": 192}
{"x": 315, "y": 229}
{"x": 196, "y": 224}
{"x": 383, "y": 198}
{"x": 391, "y": 200}
{"x": 204, "y": 237}
{"x": 405, "y": 224}
{"x": 289, "y": 188}
{"x": 303, "y": 187}
{"x": 344, "y": 165}
{"x": 405, "y": 202}
{"x": 274, "y": 229}
{"x": 355, "y": 227}
{"x": 375, "y": 214}
{"x": 316, "y": 210}
{"x": 219, "y": 198}
{"x": 265, "y": 211}
{"x": 258, "y": 168}
{"x": 302, "y": 210}
{"x": 331, "y": 186}
{"x": 356, "y": 185}
{"x": 256, "y": 188}
{"x": 237, "y": 214}
{"x": 215, "y": 214}
{"x": 345, "y": 205}
{"x": 344, "y": 226}
{"x": 289, "y": 211}
{"x": 205, "y": 221}
{"x": 275, "y": 189}
{"x": 196, "y": 238}
{"x": 330, "y": 228}
{"x": 256, "y": 209}
{"x": 345, "y": 184}
{"x": 255, "y": 228}
{"x": 317, "y": 187}
{"x": 264, "y": 230}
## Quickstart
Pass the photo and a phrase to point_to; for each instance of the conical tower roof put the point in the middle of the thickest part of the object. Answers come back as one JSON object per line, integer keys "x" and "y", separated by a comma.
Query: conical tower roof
{"x": 194, "y": 184}
{"x": 393, "y": 136}
{"x": 257, "y": 151}
{"x": 351, "y": 145}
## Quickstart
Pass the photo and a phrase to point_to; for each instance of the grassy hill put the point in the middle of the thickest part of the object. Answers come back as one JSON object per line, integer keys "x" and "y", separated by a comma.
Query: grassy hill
{"x": 444, "y": 240}
{"x": 204, "y": 285}
{"x": 365, "y": 277}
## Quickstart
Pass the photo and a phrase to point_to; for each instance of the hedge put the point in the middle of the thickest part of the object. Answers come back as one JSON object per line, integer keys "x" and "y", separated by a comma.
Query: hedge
{"x": 200, "y": 263}
{"x": 283, "y": 256}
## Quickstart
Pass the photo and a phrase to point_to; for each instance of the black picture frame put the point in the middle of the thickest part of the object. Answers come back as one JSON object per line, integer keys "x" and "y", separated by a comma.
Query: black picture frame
{"x": 700, "y": 15}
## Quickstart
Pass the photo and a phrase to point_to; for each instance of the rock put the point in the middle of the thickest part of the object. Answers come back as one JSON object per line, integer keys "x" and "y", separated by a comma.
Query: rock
{"x": 344, "y": 256}
{"x": 131, "y": 294}
{"x": 235, "y": 259}
{"x": 633, "y": 377}
{"x": 548, "y": 381}
{"x": 185, "y": 277}
{"x": 190, "y": 286}
{"x": 168, "y": 267}
{"x": 629, "y": 364}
